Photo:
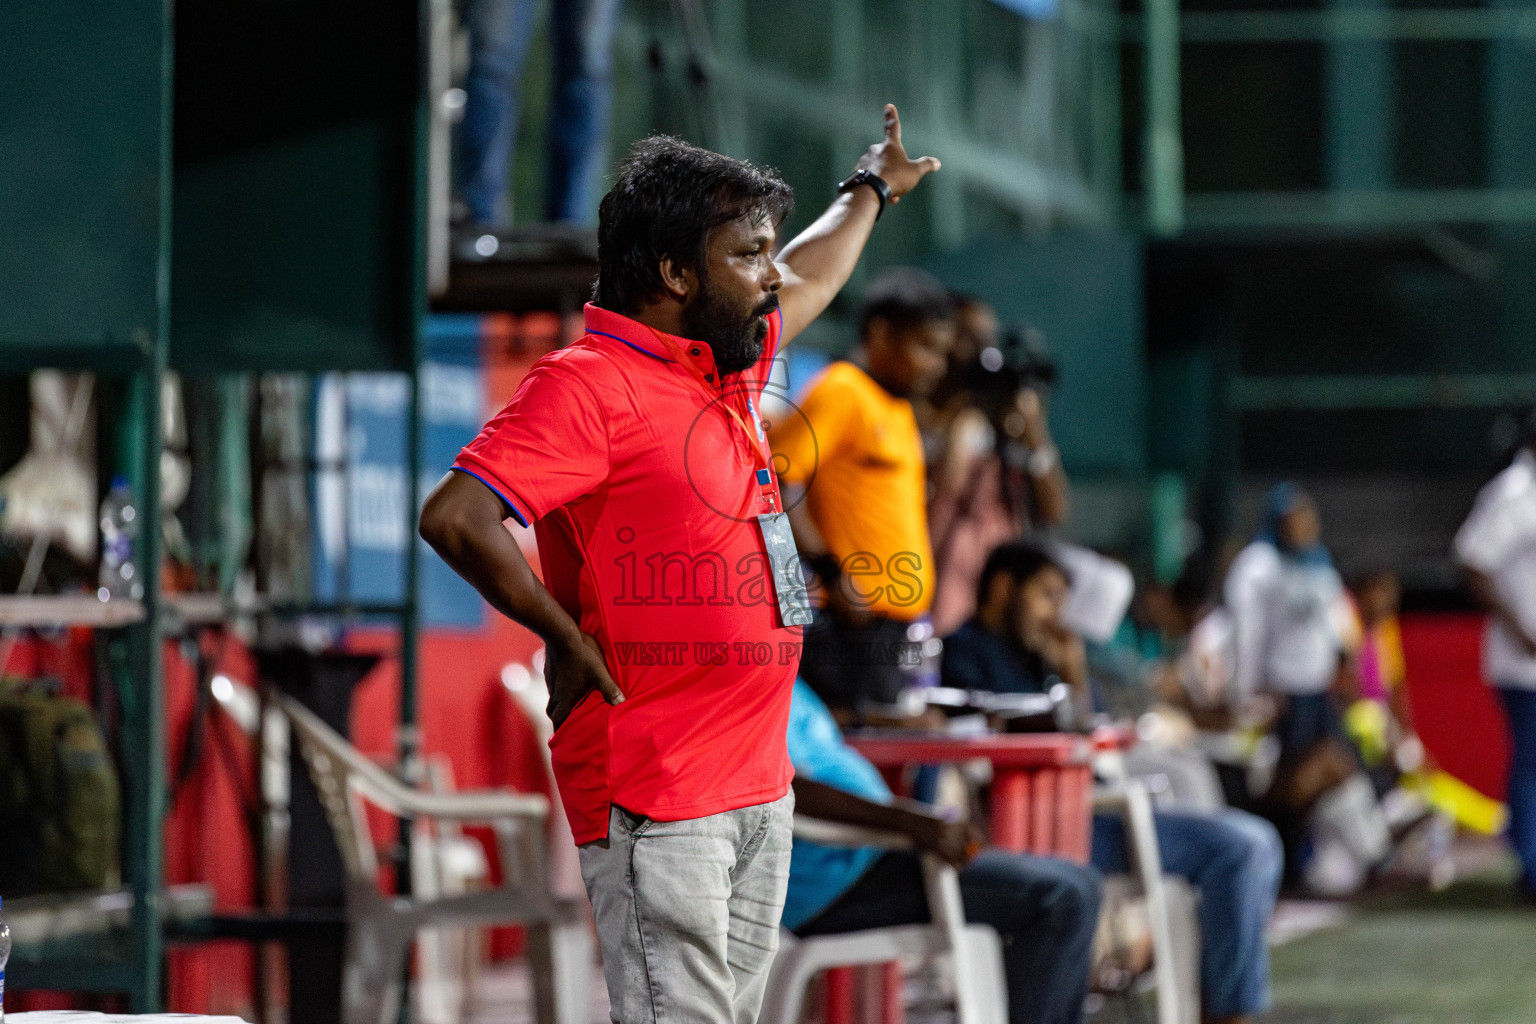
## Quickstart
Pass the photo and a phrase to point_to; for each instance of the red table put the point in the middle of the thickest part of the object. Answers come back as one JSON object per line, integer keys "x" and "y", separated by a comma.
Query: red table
{"x": 1113, "y": 737}
{"x": 1042, "y": 784}
{"x": 1042, "y": 797}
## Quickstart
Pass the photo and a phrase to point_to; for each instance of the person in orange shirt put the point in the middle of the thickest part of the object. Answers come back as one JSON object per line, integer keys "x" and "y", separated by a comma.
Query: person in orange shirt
{"x": 851, "y": 462}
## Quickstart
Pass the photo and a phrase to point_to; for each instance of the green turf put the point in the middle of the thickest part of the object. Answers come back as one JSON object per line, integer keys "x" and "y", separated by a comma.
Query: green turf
{"x": 1465, "y": 956}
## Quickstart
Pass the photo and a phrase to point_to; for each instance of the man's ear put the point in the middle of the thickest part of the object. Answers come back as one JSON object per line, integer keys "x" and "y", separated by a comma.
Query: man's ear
{"x": 679, "y": 282}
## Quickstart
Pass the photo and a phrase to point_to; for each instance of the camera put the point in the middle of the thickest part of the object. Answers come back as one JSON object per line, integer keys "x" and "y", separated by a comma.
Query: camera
{"x": 1018, "y": 360}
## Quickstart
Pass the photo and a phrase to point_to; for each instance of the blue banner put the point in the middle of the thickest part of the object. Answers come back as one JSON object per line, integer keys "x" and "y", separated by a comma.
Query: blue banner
{"x": 362, "y": 517}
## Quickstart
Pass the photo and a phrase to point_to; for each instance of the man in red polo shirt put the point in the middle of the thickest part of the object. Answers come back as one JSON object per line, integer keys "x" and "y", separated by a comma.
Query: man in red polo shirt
{"x": 671, "y": 602}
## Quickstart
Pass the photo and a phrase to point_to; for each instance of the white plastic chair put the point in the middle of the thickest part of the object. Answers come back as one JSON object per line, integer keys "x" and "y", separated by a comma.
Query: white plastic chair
{"x": 1171, "y": 905}
{"x": 445, "y": 862}
{"x": 976, "y": 952}
{"x": 530, "y": 692}
{"x": 380, "y": 927}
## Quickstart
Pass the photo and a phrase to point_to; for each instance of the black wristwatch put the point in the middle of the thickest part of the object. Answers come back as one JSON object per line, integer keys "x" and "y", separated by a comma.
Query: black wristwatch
{"x": 864, "y": 176}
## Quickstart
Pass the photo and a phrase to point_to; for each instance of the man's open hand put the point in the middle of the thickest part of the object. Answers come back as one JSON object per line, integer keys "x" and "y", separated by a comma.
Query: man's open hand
{"x": 572, "y": 671}
{"x": 889, "y": 159}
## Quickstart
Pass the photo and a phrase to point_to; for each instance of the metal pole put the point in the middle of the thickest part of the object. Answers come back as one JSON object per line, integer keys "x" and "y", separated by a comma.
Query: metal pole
{"x": 1163, "y": 146}
{"x": 1358, "y": 98}
{"x": 408, "y": 737}
{"x": 730, "y": 47}
{"x": 1511, "y": 93}
{"x": 944, "y": 45}
{"x": 1105, "y": 69}
{"x": 410, "y": 730}
{"x": 144, "y": 702}
{"x": 144, "y": 711}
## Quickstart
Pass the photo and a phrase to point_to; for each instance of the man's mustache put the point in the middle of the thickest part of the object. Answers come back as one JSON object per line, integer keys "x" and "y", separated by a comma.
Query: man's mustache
{"x": 770, "y": 304}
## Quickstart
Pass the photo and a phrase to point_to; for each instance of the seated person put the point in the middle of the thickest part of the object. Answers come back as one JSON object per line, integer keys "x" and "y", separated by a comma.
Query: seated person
{"x": 1380, "y": 720}
{"x": 1151, "y": 671}
{"x": 1044, "y": 909}
{"x": 1017, "y": 643}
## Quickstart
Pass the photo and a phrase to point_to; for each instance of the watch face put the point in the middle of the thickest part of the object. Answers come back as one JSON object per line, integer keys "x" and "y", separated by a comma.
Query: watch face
{"x": 864, "y": 176}
{"x": 860, "y": 177}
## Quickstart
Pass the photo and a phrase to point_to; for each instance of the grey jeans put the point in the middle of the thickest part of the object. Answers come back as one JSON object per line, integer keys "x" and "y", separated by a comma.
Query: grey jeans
{"x": 688, "y": 912}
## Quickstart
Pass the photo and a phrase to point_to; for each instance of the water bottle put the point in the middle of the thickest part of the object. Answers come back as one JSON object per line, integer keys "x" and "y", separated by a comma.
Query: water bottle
{"x": 5, "y": 954}
{"x": 119, "y": 529}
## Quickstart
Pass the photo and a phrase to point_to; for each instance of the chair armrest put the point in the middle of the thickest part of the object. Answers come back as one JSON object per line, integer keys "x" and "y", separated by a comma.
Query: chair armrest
{"x": 475, "y": 806}
{"x": 940, "y": 880}
{"x": 328, "y": 753}
{"x": 833, "y": 833}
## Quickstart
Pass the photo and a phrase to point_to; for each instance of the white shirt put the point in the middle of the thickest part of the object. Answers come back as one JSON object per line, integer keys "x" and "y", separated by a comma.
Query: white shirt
{"x": 1499, "y": 540}
{"x": 1290, "y": 622}
{"x": 1206, "y": 667}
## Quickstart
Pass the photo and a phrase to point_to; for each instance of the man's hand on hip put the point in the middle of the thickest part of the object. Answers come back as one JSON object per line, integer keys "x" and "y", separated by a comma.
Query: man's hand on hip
{"x": 888, "y": 158}
{"x": 462, "y": 520}
{"x": 573, "y": 670}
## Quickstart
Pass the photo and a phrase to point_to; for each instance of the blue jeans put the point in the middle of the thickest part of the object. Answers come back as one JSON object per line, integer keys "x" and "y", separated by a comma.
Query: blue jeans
{"x": 1234, "y": 859}
{"x": 1045, "y": 911}
{"x": 581, "y": 36}
{"x": 1520, "y": 710}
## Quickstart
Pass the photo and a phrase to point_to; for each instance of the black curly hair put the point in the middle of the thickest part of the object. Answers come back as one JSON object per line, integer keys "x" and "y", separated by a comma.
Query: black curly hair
{"x": 905, "y": 298}
{"x": 1021, "y": 561}
{"x": 668, "y": 197}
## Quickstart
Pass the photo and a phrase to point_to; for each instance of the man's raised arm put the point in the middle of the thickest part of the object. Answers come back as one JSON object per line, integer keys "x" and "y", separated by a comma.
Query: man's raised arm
{"x": 818, "y": 261}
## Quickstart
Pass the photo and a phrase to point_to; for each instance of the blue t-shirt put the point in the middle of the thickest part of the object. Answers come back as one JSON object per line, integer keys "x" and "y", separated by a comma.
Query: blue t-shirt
{"x": 819, "y": 874}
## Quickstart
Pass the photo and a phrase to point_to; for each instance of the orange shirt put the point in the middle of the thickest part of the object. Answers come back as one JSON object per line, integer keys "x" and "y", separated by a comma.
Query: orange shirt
{"x": 857, "y": 449}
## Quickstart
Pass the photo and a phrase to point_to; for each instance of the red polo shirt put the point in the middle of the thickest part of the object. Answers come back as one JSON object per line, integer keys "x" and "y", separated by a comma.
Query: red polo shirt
{"x": 642, "y": 487}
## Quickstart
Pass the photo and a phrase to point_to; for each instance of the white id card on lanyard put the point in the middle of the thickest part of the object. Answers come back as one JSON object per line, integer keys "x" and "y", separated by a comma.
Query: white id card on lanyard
{"x": 784, "y": 562}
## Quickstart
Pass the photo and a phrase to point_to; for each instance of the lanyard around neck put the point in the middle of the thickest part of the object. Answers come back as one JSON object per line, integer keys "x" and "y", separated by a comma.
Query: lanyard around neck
{"x": 762, "y": 461}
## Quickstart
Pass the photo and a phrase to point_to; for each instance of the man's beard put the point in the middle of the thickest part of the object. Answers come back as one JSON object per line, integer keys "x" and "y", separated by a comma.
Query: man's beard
{"x": 737, "y": 339}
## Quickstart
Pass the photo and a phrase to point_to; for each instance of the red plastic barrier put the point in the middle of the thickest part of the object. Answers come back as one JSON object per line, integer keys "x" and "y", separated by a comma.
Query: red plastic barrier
{"x": 1041, "y": 784}
{"x": 1454, "y": 711}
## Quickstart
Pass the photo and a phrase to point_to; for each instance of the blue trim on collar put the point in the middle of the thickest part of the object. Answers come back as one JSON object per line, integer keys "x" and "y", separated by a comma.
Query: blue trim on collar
{"x": 632, "y": 345}
{"x": 521, "y": 521}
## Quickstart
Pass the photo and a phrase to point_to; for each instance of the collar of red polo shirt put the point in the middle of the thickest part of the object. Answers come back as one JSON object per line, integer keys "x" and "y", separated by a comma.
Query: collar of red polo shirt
{"x": 697, "y": 359}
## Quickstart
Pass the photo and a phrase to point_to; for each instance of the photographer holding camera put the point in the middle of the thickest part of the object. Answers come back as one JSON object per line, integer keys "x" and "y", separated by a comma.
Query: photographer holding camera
{"x": 997, "y": 475}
